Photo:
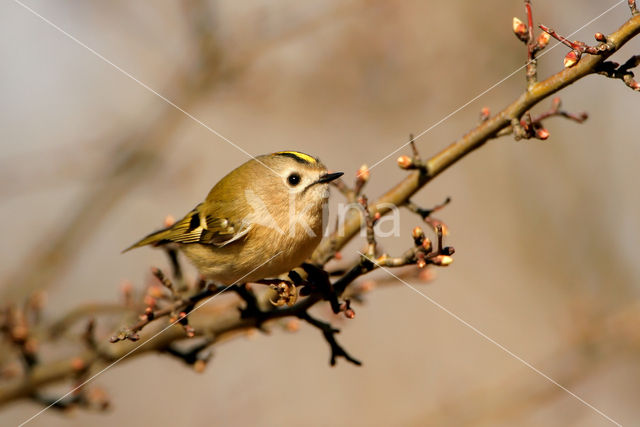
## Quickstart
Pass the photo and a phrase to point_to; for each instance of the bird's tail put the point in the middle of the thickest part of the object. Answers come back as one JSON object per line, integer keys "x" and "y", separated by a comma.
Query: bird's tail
{"x": 152, "y": 239}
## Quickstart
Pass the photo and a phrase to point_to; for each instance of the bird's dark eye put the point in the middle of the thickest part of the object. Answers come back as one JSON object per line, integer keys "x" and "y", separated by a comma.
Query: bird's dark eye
{"x": 294, "y": 179}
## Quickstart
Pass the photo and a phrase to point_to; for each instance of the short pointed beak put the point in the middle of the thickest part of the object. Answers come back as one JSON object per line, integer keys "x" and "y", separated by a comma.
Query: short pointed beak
{"x": 328, "y": 177}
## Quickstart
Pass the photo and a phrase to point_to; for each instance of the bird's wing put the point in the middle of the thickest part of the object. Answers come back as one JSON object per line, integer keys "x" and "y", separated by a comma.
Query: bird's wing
{"x": 198, "y": 227}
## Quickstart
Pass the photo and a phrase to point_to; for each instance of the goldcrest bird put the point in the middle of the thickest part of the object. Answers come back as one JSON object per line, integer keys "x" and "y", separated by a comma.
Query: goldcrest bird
{"x": 260, "y": 221}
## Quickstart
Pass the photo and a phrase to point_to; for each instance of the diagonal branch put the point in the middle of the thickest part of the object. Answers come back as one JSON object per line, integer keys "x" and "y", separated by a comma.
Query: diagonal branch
{"x": 476, "y": 138}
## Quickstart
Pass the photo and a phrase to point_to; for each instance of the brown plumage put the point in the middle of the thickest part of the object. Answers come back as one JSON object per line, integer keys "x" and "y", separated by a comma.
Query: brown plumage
{"x": 259, "y": 221}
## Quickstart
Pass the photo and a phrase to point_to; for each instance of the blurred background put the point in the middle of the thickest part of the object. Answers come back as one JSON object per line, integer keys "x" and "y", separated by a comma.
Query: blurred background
{"x": 546, "y": 233}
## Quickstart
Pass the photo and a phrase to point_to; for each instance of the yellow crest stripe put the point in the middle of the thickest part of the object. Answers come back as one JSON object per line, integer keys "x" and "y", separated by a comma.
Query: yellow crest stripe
{"x": 304, "y": 157}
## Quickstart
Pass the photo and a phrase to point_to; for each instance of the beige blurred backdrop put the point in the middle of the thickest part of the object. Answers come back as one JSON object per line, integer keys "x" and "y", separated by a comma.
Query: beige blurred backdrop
{"x": 546, "y": 233}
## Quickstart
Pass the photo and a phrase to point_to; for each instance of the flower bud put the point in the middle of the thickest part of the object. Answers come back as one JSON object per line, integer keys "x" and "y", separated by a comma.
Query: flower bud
{"x": 442, "y": 260}
{"x": 542, "y": 133}
{"x": 543, "y": 40}
{"x": 520, "y": 29}
{"x": 572, "y": 58}
{"x": 405, "y": 162}
{"x": 169, "y": 221}
{"x": 363, "y": 173}
{"x": 600, "y": 37}
{"x": 485, "y": 113}
{"x": 417, "y": 233}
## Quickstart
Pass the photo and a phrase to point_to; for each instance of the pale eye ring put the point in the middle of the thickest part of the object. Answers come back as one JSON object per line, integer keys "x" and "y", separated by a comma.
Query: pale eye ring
{"x": 294, "y": 179}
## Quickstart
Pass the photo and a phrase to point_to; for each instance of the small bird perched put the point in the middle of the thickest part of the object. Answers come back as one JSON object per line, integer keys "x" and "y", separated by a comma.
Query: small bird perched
{"x": 260, "y": 221}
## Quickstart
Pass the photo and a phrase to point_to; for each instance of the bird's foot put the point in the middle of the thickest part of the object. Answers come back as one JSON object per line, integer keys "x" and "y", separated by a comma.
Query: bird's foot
{"x": 286, "y": 293}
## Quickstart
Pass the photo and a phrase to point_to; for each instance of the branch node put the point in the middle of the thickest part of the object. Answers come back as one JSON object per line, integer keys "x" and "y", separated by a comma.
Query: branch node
{"x": 623, "y": 72}
{"x": 414, "y": 161}
{"x": 578, "y": 47}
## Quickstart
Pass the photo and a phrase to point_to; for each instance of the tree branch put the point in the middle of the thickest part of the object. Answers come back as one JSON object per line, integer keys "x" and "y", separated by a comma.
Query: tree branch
{"x": 476, "y": 138}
